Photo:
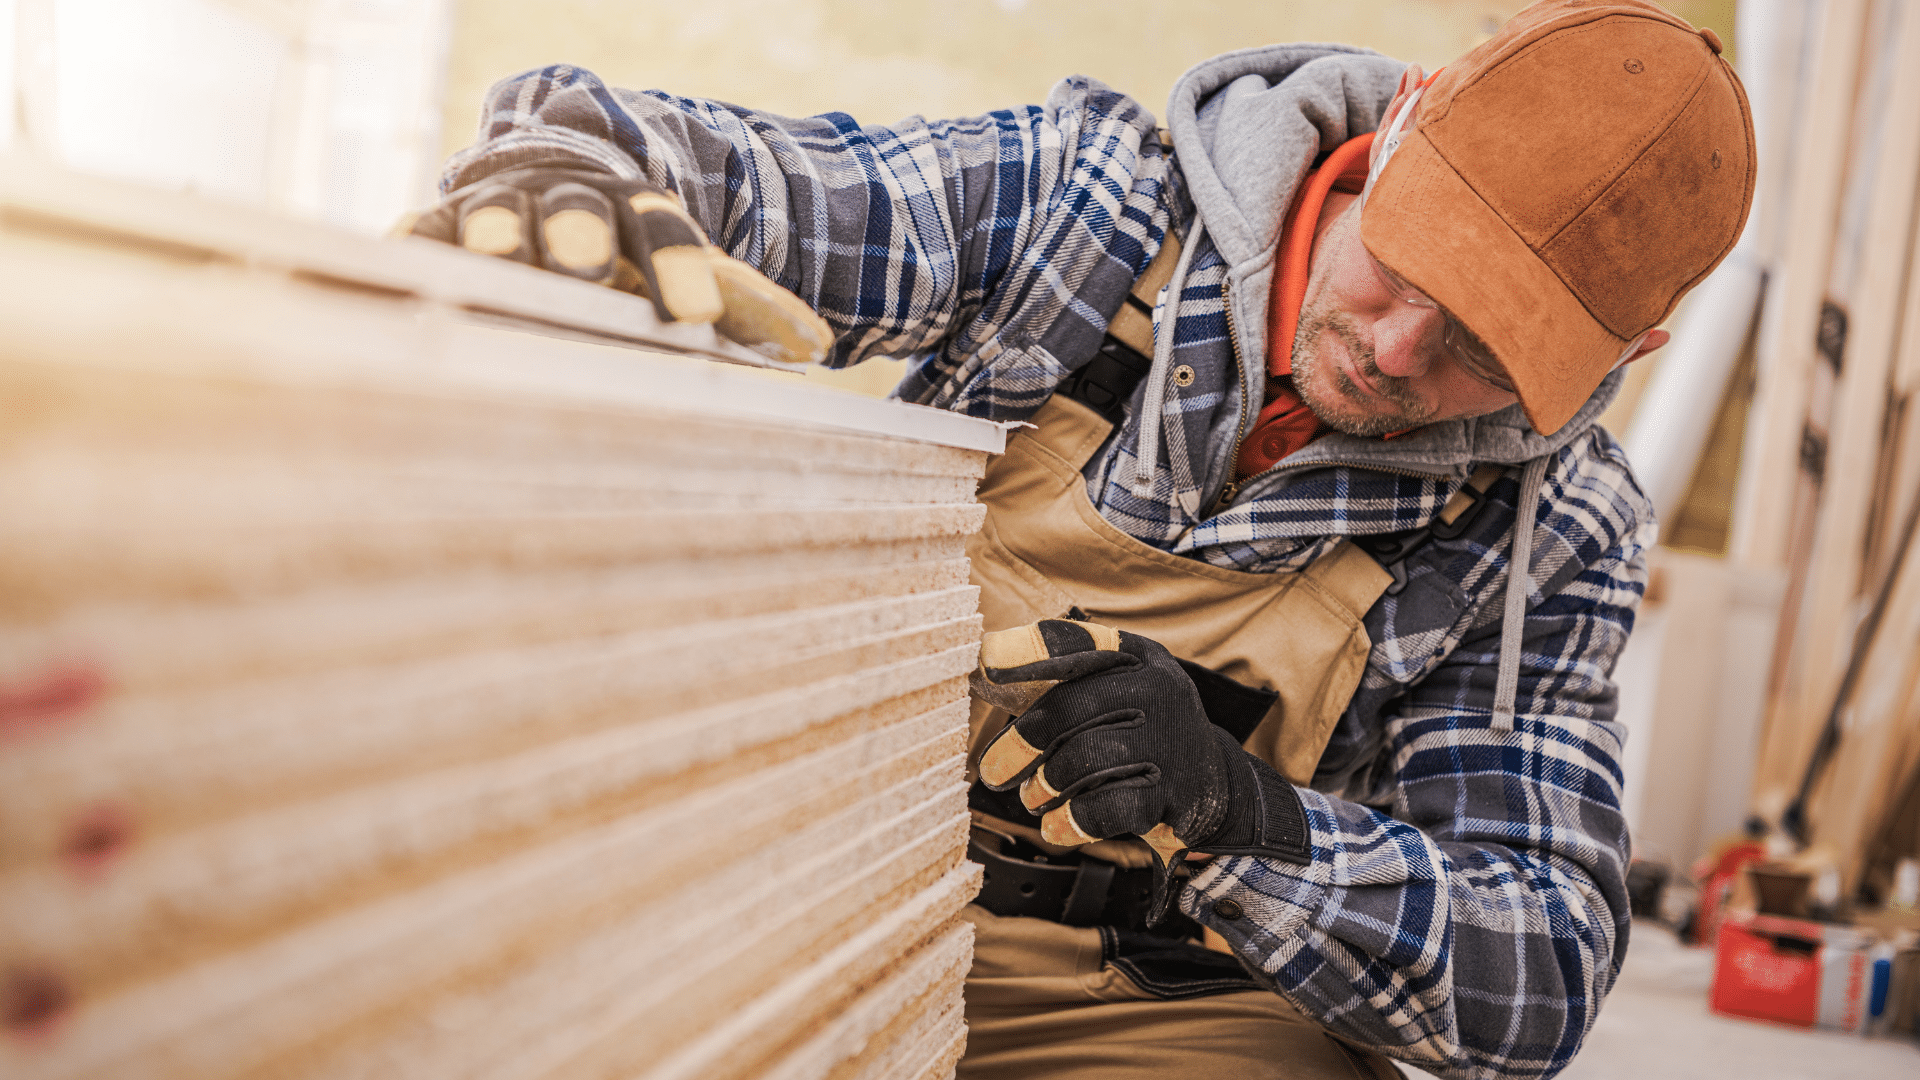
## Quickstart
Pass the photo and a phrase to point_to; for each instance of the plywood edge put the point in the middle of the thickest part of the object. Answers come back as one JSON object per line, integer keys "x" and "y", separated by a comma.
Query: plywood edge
{"x": 887, "y": 1020}
{"x": 747, "y": 1034}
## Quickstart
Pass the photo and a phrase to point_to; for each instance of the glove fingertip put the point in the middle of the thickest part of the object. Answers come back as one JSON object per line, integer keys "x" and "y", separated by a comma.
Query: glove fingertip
{"x": 1037, "y": 791}
{"x": 577, "y": 231}
{"x": 1006, "y": 757}
{"x": 496, "y": 229}
{"x": 1005, "y": 650}
{"x": 1057, "y": 826}
{"x": 765, "y": 317}
{"x": 687, "y": 288}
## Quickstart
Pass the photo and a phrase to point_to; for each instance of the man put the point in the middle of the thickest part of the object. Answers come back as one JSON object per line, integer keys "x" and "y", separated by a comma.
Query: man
{"x": 1307, "y": 394}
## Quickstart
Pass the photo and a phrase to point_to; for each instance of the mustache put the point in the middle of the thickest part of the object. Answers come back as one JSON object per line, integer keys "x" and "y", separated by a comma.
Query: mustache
{"x": 1395, "y": 388}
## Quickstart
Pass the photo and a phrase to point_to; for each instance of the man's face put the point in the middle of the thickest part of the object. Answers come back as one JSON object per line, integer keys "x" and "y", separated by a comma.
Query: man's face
{"x": 1365, "y": 361}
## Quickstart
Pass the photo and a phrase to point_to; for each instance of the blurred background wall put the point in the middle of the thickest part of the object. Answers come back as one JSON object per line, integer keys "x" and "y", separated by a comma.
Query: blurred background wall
{"x": 883, "y": 59}
{"x": 323, "y": 109}
{"x": 341, "y": 109}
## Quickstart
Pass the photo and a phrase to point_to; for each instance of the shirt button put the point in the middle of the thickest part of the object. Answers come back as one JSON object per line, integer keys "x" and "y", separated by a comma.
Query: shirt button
{"x": 1227, "y": 909}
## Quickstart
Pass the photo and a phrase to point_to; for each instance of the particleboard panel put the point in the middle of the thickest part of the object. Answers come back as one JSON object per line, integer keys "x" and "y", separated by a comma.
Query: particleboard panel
{"x": 385, "y": 695}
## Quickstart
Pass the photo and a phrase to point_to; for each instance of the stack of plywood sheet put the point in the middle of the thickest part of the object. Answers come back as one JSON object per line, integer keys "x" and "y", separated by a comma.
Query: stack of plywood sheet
{"x": 384, "y": 692}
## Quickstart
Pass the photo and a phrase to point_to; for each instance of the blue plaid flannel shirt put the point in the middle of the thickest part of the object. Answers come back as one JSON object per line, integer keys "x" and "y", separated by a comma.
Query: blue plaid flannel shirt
{"x": 1465, "y": 909}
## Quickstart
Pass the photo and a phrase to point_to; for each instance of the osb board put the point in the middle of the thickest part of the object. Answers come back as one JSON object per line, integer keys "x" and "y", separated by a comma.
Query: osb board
{"x": 369, "y": 707}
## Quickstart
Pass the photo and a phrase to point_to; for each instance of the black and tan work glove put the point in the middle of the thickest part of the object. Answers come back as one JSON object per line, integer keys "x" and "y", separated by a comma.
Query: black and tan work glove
{"x": 573, "y": 218}
{"x": 1109, "y": 738}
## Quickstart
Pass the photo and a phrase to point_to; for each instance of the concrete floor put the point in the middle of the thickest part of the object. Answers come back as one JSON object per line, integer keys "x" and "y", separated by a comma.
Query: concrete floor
{"x": 1656, "y": 1025}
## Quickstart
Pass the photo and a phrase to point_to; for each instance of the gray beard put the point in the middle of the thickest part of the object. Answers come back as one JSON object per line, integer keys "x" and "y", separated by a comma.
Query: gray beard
{"x": 1336, "y": 413}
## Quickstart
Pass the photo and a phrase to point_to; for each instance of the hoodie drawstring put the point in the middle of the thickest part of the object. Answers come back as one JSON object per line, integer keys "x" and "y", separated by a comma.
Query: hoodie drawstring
{"x": 1146, "y": 461}
{"x": 1519, "y": 586}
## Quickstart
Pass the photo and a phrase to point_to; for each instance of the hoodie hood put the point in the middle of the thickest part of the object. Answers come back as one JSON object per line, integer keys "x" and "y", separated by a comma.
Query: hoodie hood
{"x": 1247, "y": 126}
{"x": 1259, "y": 117}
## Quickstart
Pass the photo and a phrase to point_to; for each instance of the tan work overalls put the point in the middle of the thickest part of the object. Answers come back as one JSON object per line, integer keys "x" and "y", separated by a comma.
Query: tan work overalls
{"x": 1040, "y": 1001}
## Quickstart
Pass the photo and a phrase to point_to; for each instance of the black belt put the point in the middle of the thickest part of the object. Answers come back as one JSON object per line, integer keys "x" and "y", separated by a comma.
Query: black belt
{"x": 1074, "y": 889}
{"x": 1077, "y": 889}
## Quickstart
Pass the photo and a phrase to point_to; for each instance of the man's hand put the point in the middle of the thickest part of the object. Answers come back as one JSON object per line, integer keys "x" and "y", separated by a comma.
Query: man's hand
{"x": 1109, "y": 738}
{"x": 574, "y": 219}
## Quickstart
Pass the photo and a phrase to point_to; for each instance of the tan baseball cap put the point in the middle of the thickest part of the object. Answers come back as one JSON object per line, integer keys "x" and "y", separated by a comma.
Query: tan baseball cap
{"x": 1564, "y": 184}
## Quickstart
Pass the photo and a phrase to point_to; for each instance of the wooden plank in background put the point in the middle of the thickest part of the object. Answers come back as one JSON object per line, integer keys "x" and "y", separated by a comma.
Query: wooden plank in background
{"x": 1879, "y": 735}
{"x": 1901, "y": 464}
{"x": 1854, "y": 444}
{"x": 1770, "y": 466}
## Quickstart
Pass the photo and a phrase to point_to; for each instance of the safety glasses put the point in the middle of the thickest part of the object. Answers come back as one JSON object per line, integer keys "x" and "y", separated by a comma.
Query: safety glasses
{"x": 1460, "y": 343}
{"x": 1466, "y": 349}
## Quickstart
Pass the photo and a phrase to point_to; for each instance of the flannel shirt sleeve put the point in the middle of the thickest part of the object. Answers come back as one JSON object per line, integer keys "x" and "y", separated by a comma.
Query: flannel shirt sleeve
{"x": 1474, "y": 929}
{"x": 991, "y": 250}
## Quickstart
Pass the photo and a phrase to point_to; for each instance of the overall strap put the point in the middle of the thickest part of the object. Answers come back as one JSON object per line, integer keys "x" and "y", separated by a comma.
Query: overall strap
{"x": 1105, "y": 382}
{"x": 1390, "y": 550}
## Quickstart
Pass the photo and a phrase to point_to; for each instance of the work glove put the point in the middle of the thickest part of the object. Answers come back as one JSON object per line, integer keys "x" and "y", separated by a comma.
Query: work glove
{"x": 573, "y": 218}
{"x": 1109, "y": 738}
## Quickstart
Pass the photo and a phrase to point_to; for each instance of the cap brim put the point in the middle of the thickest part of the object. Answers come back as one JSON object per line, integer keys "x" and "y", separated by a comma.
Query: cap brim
{"x": 1428, "y": 226}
